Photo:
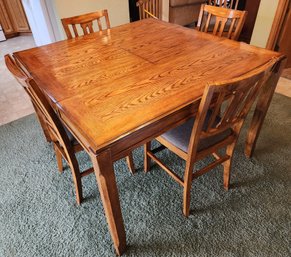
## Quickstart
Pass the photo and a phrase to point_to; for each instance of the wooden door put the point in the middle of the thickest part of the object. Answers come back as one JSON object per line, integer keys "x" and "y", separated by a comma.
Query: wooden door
{"x": 6, "y": 21}
{"x": 284, "y": 43}
{"x": 18, "y": 15}
{"x": 13, "y": 18}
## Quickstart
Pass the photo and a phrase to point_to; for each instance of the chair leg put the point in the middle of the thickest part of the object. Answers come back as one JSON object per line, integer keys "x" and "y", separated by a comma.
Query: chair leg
{"x": 227, "y": 166}
{"x": 186, "y": 200}
{"x": 130, "y": 163}
{"x": 187, "y": 188}
{"x": 73, "y": 163}
{"x": 147, "y": 159}
{"x": 78, "y": 185}
{"x": 59, "y": 158}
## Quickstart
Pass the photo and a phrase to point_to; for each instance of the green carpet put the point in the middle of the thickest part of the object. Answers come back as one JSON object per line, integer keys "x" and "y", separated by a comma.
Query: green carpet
{"x": 39, "y": 217}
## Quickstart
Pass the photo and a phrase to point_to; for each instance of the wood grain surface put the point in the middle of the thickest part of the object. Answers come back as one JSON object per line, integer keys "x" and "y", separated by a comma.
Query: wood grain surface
{"x": 118, "y": 89}
{"x": 111, "y": 84}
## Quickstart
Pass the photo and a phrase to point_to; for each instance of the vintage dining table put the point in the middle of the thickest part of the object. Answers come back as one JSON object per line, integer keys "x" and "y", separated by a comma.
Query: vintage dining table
{"x": 117, "y": 89}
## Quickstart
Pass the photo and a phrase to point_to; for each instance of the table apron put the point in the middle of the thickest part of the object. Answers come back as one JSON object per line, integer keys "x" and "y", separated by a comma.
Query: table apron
{"x": 125, "y": 145}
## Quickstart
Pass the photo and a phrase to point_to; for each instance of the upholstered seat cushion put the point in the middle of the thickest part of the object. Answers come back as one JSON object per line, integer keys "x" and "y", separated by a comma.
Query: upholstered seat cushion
{"x": 180, "y": 136}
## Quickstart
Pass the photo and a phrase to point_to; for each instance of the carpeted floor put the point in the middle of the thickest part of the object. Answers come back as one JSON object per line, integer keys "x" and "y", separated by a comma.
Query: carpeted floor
{"x": 39, "y": 218}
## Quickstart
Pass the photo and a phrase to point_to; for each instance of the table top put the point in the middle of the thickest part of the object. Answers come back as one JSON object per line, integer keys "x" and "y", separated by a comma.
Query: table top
{"x": 113, "y": 83}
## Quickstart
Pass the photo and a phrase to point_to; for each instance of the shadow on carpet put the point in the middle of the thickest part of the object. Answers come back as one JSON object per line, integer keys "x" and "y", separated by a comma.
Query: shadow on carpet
{"x": 39, "y": 217}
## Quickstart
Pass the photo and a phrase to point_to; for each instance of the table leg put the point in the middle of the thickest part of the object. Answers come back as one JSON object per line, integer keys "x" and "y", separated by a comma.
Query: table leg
{"x": 263, "y": 103}
{"x": 103, "y": 167}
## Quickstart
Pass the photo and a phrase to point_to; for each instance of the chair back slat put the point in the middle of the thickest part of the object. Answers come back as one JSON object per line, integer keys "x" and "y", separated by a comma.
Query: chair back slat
{"x": 85, "y": 22}
{"x": 149, "y": 9}
{"x": 232, "y": 100}
{"x": 158, "y": 6}
{"x": 207, "y": 22}
{"x": 215, "y": 111}
{"x": 74, "y": 30}
{"x": 221, "y": 17}
{"x": 20, "y": 75}
{"x": 231, "y": 4}
{"x": 57, "y": 132}
{"x": 231, "y": 28}
{"x": 99, "y": 25}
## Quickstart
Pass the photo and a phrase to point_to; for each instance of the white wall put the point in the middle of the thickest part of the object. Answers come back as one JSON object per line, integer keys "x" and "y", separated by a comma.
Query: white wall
{"x": 44, "y": 15}
{"x": 118, "y": 10}
{"x": 39, "y": 21}
{"x": 165, "y": 10}
{"x": 55, "y": 21}
{"x": 264, "y": 22}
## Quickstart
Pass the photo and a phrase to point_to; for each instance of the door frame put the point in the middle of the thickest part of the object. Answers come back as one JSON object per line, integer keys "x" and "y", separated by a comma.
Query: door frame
{"x": 277, "y": 23}
{"x": 42, "y": 19}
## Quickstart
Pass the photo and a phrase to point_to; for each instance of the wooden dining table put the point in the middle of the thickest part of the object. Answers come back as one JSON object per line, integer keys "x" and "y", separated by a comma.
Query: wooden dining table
{"x": 117, "y": 89}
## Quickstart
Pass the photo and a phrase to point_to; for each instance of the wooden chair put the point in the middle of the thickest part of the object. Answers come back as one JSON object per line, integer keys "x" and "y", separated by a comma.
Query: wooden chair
{"x": 150, "y": 9}
{"x": 228, "y": 23}
{"x": 231, "y": 4}
{"x": 222, "y": 111}
{"x": 22, "y": 76}
{"x": 65, "y": 145}
{"x": 85, "y": 21}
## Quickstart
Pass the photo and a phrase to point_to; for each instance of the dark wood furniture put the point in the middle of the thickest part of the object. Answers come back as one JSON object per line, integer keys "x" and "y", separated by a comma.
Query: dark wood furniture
{"x": 215, "y": 129}
{"x": 221, "y": 21}
{"x": 118, "y": 90}
{"x": 13, "y": 18}
{"x": 85, "y": 21}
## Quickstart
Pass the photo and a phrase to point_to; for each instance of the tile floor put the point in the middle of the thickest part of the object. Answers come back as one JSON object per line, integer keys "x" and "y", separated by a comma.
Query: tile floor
{"x": 14, "y": 103}
{"x": 284, "y": 87}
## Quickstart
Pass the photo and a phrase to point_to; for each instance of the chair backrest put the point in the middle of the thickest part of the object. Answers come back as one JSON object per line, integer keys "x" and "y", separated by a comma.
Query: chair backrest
{"x": 85, "y": 21}
{"x": 223, "y": 16}
{"x": 57, "y": 132}
{"x": 231, "y": 4}
{"x": 150, "y": 9}
{"x": 18, "y": 73}
{"x": 231, "y": 101}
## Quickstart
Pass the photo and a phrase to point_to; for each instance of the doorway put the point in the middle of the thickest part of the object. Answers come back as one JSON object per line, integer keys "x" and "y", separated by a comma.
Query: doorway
{"x": 133, "y": 11}
{"x": 252, "y": 7}
{"x": 283, "y": 43}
